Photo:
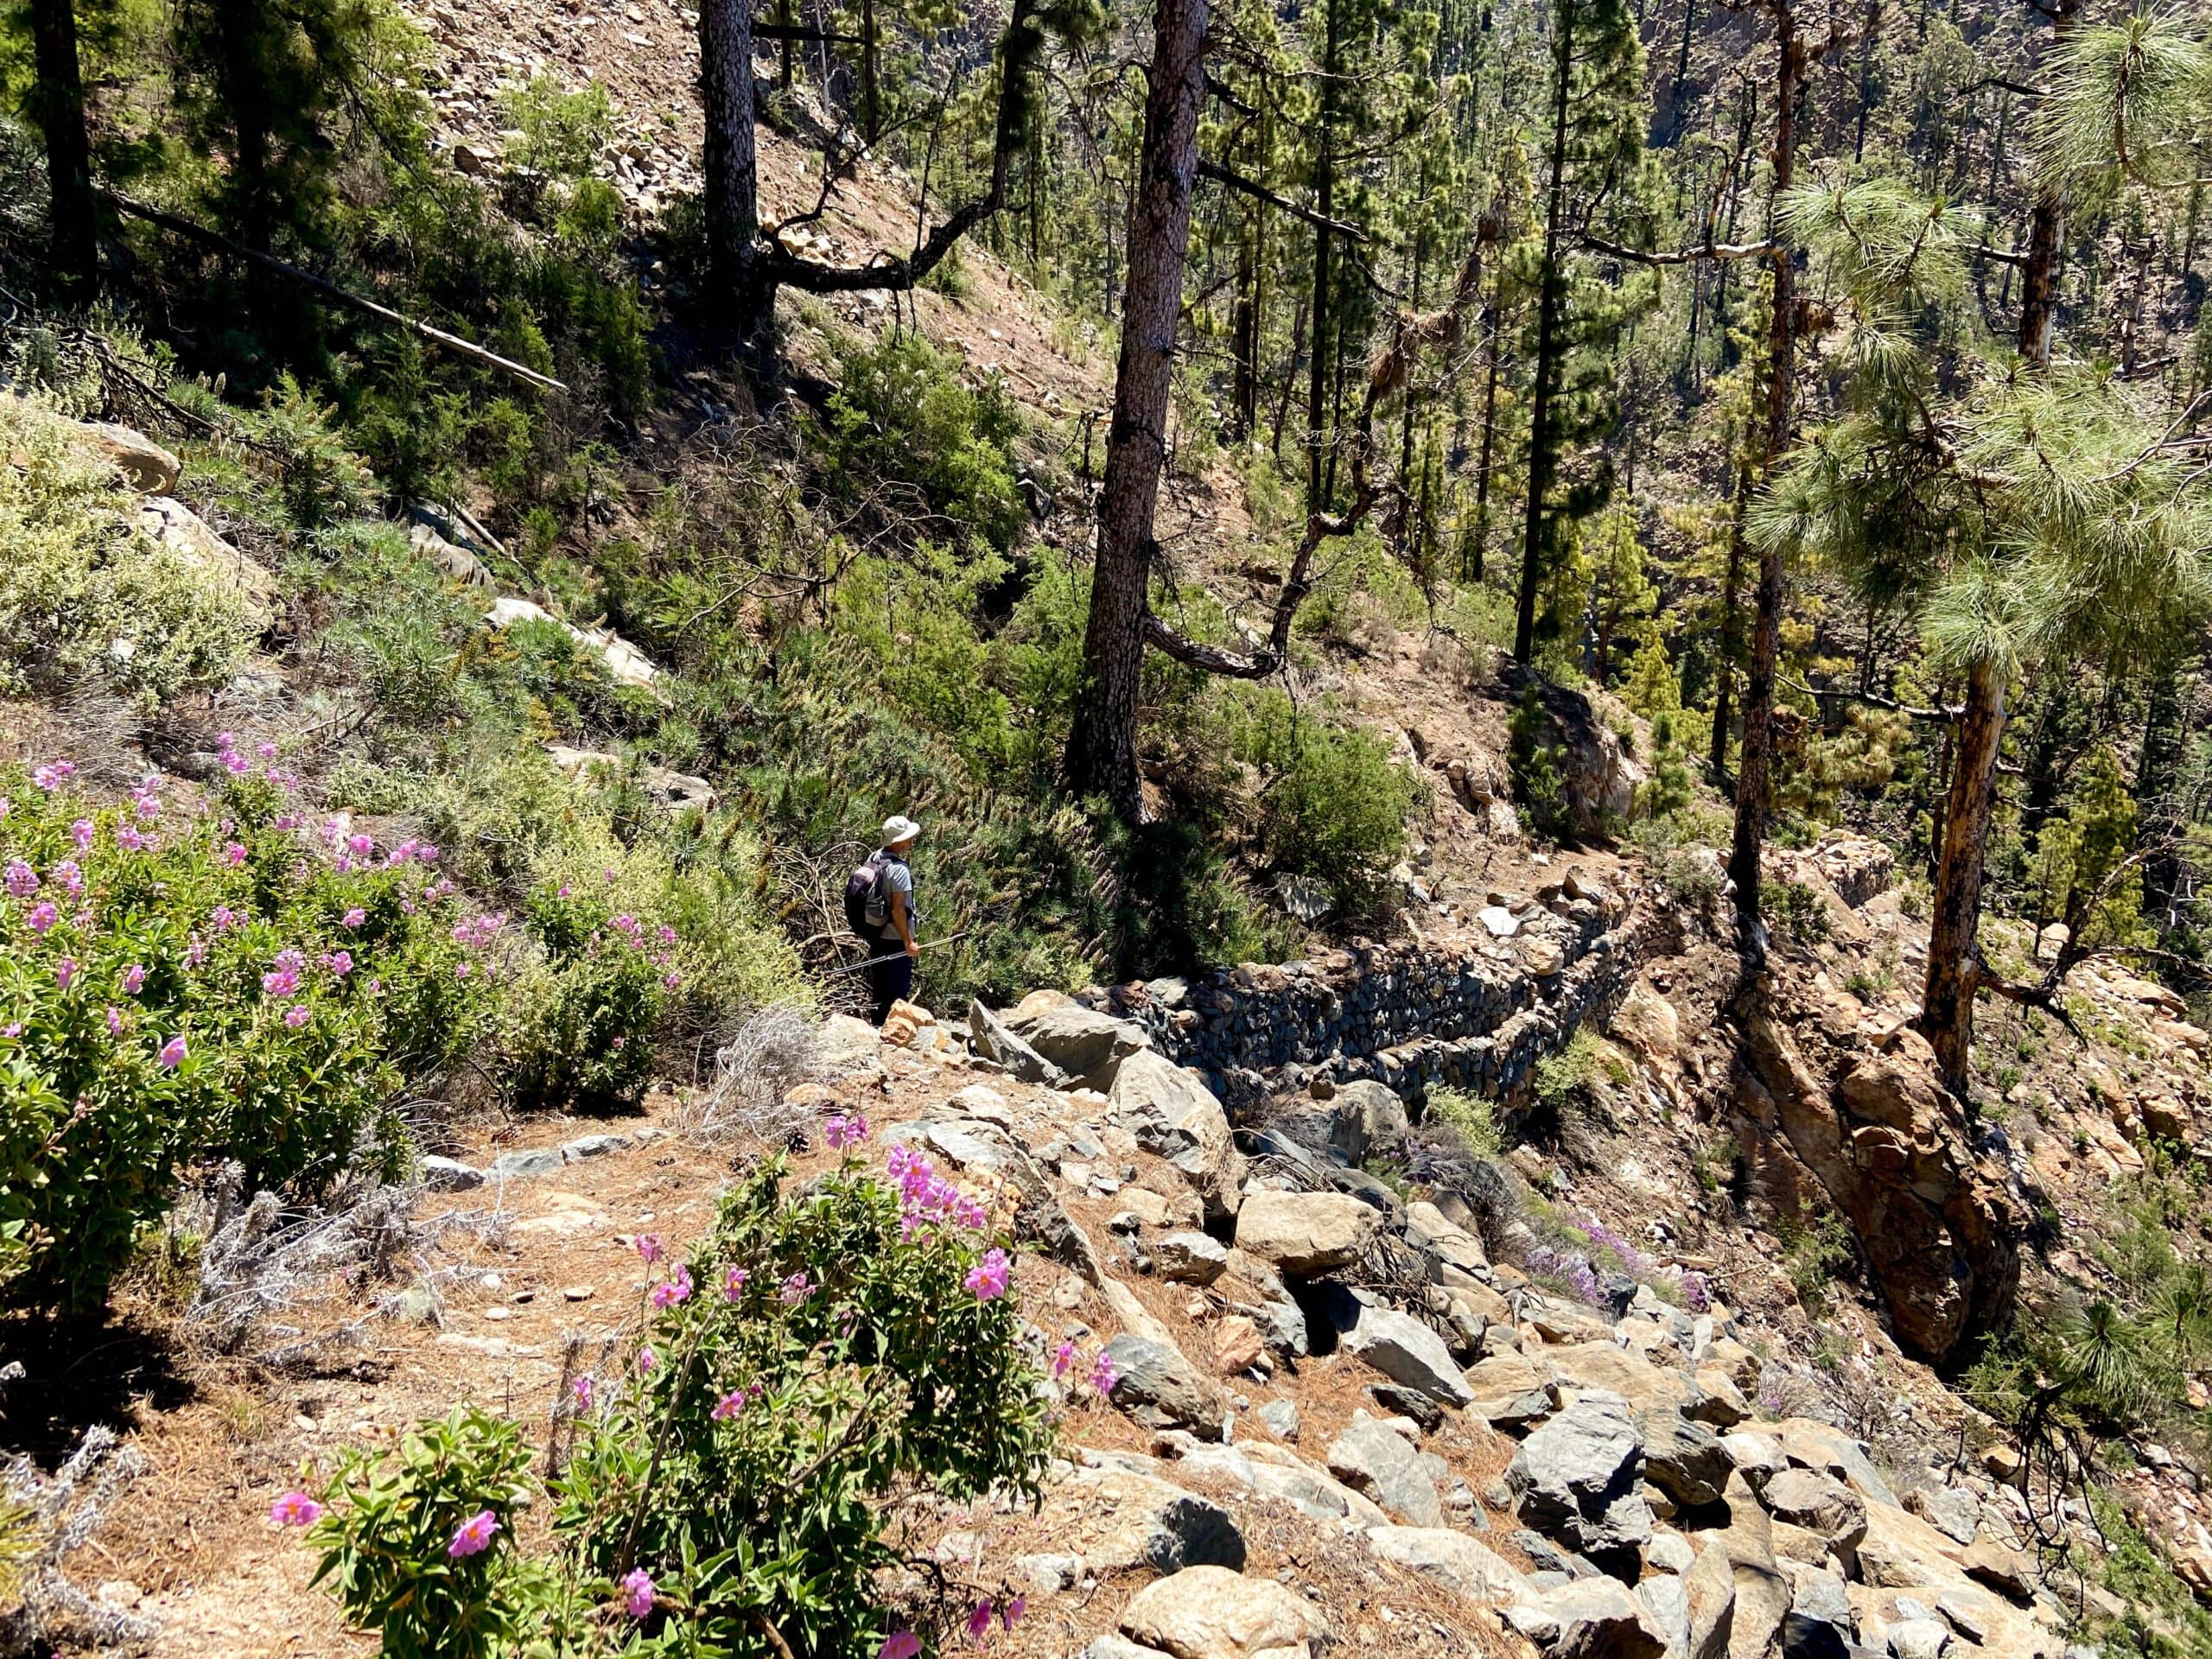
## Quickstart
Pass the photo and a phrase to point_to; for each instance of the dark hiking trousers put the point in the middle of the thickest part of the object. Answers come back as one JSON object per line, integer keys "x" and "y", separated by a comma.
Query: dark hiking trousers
{"x": 889, "y": 981}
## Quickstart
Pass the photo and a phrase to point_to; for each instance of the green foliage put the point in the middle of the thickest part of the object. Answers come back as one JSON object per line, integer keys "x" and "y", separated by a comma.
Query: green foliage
{"x": 2084, "y": 871}
{"x": 1799, "y": 911}
{"x": 901, "y": 417}
{"x": 1538, "y": 782}
{"x": 1469, "y": 1116}
{"x": 85, "y": 594}
{"x": 827, "y": 1361}
{"x": 578, "y": 1027}
{"x": 1332, "y": 806}
{"x": 1815, "y": 1251}
{"x": 214, "y": 986}
{"x": 1559, "y": 1077}
{"x": 386, "y": 1551}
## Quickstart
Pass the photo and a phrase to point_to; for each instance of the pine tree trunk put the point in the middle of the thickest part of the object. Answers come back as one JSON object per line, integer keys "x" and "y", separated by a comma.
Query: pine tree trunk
{"x": 1480, "y": 540}
{"x": 871, "y": 88}
{"x": 1551, "y": 299}
{"x": 1725, "y": 686}
{"x": 2046, "y": 232}
{"x": 1755, "y": 766}
{"x": 1954, "y": 965}
{"x": 734, "y": 250}
{"x": 58, "y": 102}
{"x": 1102, "y": 755}
{"x": 1318, "y": 366}
{"x": 2158, "y": 822}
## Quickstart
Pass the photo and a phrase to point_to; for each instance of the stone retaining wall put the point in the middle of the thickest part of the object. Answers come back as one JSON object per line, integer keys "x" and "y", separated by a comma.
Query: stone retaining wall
{"x": 1477, "y": 1015}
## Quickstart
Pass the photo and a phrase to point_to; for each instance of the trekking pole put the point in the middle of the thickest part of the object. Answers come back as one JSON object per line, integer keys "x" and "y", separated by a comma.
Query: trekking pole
{"x": 854, "y": 967}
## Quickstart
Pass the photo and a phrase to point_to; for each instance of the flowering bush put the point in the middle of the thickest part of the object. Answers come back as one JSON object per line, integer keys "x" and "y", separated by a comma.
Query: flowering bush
{"x": 579, "y": 1027}
{"x": 177, "y": 985}
{"x": 819, "y": 1360}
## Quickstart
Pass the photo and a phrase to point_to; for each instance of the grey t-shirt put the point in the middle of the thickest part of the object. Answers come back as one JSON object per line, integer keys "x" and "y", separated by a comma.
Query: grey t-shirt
{"x": 899, "y": 877}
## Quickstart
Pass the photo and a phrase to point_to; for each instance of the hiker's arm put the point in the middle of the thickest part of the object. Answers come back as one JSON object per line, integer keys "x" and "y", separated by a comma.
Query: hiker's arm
{"x": 902, "y": 919}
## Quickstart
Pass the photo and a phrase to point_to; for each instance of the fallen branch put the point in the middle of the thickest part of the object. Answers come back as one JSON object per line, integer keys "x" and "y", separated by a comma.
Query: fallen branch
{"x": 324, "y": 286}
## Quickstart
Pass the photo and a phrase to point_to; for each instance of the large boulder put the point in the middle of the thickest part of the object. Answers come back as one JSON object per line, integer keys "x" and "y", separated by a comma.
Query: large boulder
{"x": 1597, "y": 779}
{"x": 1589, "y": 1619}
{"x": 1209, "y": 1612}
{"x": 1684, "y": 1460}
{"x": 991, "y": 1036}
{"x": 1376, "y": 1461}
{"x": 1819, "y": 1503}
{"x": 1174, "y": 1115}
{"x": 1453, "y": 1560}
{"x": 146, "y": 466}
{"x": 1306, "y": 1233}
{"x": 185, "y": 534}
{"x": 1711, "y": 1585}
{"x": 1576, "y": 1463}
{"x": 1160, "y": 1389}
{"x": 1510, "y": 1389}
{"x": 1367, "y": 1120}
{"x": 1083, "y": 1043}
{"x": 1876, "y": 1128}
{"x": 1406, "y": 1351}
{"x": 1117, "y": 1520}
{"x": 1763, "y": 1595}
{"x": 624, "y": 664}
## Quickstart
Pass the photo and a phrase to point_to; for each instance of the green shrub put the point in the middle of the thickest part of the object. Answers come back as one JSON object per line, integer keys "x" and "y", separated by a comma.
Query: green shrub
{"x": 1539, "y": 784}
{"x": 84, "y": 594}
{"x": 826, "y": 1364}
{"x": 577, "y": 1027}
{"x": 1813, "y": 1251}
{"x": 1333, "y": 807}
{"x": 1470, "y": 1117}
{"x": 220, "y": 984}
{"x": 1557, "y": 1077}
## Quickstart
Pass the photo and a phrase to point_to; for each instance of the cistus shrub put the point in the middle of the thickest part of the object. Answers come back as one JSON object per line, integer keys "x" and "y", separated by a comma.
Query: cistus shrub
{"x": 227, "y": 981}
{"x": 825, "y": 1360}
{"x": 578, "y": 1025}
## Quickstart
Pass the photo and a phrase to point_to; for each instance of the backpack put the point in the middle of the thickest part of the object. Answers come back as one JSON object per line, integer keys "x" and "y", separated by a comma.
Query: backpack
{"x": 866, "y": 911}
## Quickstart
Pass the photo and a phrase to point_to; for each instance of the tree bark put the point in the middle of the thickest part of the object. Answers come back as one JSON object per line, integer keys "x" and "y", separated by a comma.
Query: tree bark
{"x": 1954, "y": 961}
{"x": 58, "y": 102}
{"x": 1101, "y": 754}
{"x": 1551, "y": 298}
{"x": 2046, "y": 233}
{"x": 1724, "y": 680}
{"x": 1479, "y": 542}
{"x": 1317, "y": 368}
{"x": 1755, "y": 765}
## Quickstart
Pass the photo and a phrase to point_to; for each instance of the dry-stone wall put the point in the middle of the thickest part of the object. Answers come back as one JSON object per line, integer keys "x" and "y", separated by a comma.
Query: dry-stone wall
{"x": 1475, "y": 1014}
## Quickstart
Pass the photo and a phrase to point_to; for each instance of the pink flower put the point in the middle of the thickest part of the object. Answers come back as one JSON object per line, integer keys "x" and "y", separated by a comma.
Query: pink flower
{"x": 295, "y": 1510}
{"x": 280, "y": 982}
{"x": 979, "y": 1622}
{"x": 195, "y": 951}
{"x": 359, "y": 846}
{"x": 728, "y": 1406}
{"x": 43, "y": 915}
{"x": 585, "y": 1389}
{"x": 646, "y": 1359}
{"x": 115, "y": 1022}
{"x": 53, "y": 775}
{"x": 426, "y": 854}
{"x": 20, "y": 879}
{"x": 296, "y": 1015}
{"x": 172, "y": 1054}
{"x": 340, "y": 963}
{"x": 649, "y": 1248}
{"x": 734, "y": 1283}
{"x": 1013, "y": 1611}
{"x": 637, "y": 1591}
{"x": 234, "y": 853}
{"x": 128, "y": 838}
{"x": 1104, "y": 1373}
{"x": 675, "y": 1290}
{"x": 134, "y": 979}
{"x": 64, "y": 971}
{"x": 354, "y": 916}
{"x": 795, "y": 1290}
{"x": 1063, "y": 1358}
{"x": 223, "y": 917}
{"x": 842, "y": 1130}
{"x": 988, "y": 1277}
{"x": 473, "y": 1535}
{"x": 236, "y": 763}
{"x": 71, "y": 878}
{"x": 460, "y": 970}
{"x": 900, "y": 1645}
{"x": 266, "y": 751}
{"x": 81, "y": 833}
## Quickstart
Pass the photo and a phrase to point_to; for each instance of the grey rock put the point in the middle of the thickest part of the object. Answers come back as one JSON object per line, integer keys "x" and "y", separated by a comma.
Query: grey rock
{"x": 522, "y": 1166}
{"x": 990, "y": 1037}
{"x": 450, "y": 1175}
{"x": 1919, "y": 1638}
{"x": 1190, "y": 1258}
{"x": 1400, "y": 1402}
{"x": 1112, "y": 1646}
{"x": 1306, "y": 1233}
{"x": 1668, "y": 1600}
{"x": 1174, "y": 1115}
{"x": 1280, "y": 1417}
{"x": 1818, "y": 1503}
{"x": 1453, "y": 1560}
{"x": 1377, "y": 1461}
{"x": 1159, "y": 1388}
{"x": 1045, "y": 1573}
{"x": 1952, "y": 1510}
{"x": 1577, "y": 1463}
{"x": 1669, "y": 1552}
{"x": 1598, "y": 1619}
{"x": 416, "y": 1304}
{"x": 1368, "y": 1119}
{"x": 1684, "y": 1460}
{"x": 1819, "y": 1625}
{"x": 1966, "y": 1615}
{"x": 1154, "y": 1524}
{"x": 1407, "y": 1352}
{"x": 593, "y": 1145}
{"x": 1711, "y": 1583}
{"x": 1083, "y": 1043}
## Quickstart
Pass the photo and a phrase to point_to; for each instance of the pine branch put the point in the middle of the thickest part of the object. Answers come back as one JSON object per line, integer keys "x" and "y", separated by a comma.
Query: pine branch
{"x": 1259, "y": 192}
{"x": 1685, "y": 256}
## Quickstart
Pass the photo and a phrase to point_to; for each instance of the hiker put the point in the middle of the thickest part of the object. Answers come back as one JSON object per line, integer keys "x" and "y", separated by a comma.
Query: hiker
{"x": 879, "y": 905}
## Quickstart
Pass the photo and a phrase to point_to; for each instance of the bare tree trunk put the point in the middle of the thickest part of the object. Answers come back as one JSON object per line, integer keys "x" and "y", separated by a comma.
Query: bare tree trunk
{"x": 1318, "y": 366}
{"x": 58, "y": 99}
{"x": 2046, "y": 232}
{"x": 1731, "y": 646}
{"x": 871, "y": 89}
{"x": 1754, "y": 770}
{"x": 1954, "y": 961}
{"x": 1551, "y": 299}
{"x": 1101, "y": 754}
{"x": 732, "y": 193}
{"x": 1479, "y": 542}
